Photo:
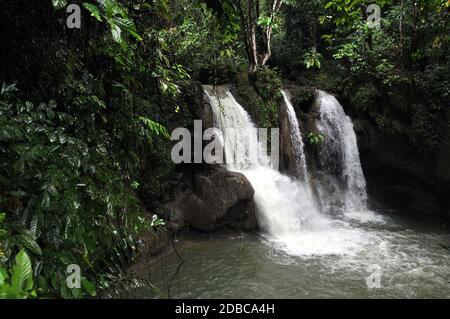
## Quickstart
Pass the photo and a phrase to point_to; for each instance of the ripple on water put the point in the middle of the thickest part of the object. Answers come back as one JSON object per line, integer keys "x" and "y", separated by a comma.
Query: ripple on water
{"x": 330, "y": 263}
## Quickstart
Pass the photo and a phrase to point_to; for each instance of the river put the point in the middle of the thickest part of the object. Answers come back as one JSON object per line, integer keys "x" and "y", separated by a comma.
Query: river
{"x": 406, "y": 253}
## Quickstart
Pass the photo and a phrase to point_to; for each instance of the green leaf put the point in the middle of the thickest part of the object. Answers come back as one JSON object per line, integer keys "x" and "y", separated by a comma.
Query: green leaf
{"x": 128, "y": 25}
{"x": 3, "y": 276}
{"x": 116, "y": 33}
{"x": 156, "y": 221}
{"x": 124, "y": 23}
{"x": 54, "y": 236}
{"x": 27, "y": 239}
{"x": 59, "y": 4}
{"x": 89, "y": 287}
{"x": 51, "y": 104}
{"x": 154, "y": 127}
{"x": 93, "y": 9}
{"x": 45, "y": 200}
{"x": 21, "y": 278}
{"x": 8, "y": 88}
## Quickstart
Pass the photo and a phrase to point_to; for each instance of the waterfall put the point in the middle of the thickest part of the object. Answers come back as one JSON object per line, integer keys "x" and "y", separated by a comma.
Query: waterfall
{"x": 339, "y": 156}
{"x": 240, "y": 136}
{"x": 296, "y": 138}
{"x": 287, "y": 210}
{"x": 285, "y": 207}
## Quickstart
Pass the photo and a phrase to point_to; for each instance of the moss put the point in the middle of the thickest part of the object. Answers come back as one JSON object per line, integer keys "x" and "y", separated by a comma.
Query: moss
{"x": 302, "y": 98}
{"x": 267, "y": 83}
{"x": 260, "y": 95}
{"x": 425, "y": 134}
{"x": 365, "y": 98}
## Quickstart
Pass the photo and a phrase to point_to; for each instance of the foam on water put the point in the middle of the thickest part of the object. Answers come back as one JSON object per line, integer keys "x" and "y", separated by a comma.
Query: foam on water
{"x": 412, "y": 264}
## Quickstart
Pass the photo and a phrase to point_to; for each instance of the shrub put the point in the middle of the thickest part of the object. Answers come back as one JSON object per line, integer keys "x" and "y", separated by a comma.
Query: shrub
{"x": 267, "y": 83}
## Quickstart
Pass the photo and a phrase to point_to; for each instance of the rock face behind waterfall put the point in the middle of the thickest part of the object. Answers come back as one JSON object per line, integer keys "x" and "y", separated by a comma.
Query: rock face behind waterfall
{"x": 399, "y": 176}
{"x": 211, "y": 199}
{"x": 293, "y": 160}
{"x": 208, "y": 197}
{"x": 287, "y": 156}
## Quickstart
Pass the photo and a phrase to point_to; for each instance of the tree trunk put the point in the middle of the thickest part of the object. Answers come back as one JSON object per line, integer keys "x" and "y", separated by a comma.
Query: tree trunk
{"x": 253, "y": 49}
{"x": 249, "y": 23}
{"x": 264, "y": 57}
{"x": 400, "y": 27}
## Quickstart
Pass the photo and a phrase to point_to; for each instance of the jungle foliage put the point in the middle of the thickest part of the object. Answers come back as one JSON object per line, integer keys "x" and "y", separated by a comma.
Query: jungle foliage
{"x": 395, "y": 75}
{"x": 85, "y": 114}
{"x": 84, "y": 119}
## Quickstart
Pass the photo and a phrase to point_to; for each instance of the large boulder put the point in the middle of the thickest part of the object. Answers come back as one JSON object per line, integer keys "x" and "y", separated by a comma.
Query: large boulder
{"x": 210, "y": 199}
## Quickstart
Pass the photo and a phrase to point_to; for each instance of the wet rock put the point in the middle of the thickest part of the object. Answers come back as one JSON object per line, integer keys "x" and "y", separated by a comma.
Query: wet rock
{"x": 397, "y": 175}
{"x": 214, "y": 198}
{"x": 287, "y": 157}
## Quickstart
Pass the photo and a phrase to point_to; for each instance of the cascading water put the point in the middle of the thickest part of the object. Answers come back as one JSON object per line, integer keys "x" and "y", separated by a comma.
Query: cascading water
{"x": 332, "y": 257}
{"x": 339, "y": 156}
{"x": 296, "y": 138}
{"x": 285, "y": 207}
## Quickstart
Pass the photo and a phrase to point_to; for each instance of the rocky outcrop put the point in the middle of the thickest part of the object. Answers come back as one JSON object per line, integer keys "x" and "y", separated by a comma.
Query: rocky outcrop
{"x": 398, "y": 175}
{"x": 287, "y": 157}
{"x": 209, "y": 199}
{"x": 204, "y": 197}
{"x": 301, "y": 99}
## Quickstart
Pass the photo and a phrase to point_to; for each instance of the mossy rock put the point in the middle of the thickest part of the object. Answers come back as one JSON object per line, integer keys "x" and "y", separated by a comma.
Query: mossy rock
{"x": 365, "y": 98}
{"x": 267, "y": 83}
{"x": 302, "y": 97}
{"x": 260, "y": 95}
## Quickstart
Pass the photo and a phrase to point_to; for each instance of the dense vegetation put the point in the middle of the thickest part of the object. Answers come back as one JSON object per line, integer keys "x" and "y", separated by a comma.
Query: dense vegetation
{"x": 85, "y": 114}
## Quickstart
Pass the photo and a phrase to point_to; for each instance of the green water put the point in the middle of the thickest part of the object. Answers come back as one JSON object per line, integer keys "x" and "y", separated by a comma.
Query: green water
{"x": 409, "y": 254}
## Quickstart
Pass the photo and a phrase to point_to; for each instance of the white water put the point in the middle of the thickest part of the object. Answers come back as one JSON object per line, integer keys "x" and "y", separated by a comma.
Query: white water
{"x": 296, "y": 137}
{"x": 340, "y": 252}
{"x": 285, "y": 206}
{"x": 339, "y": 154}
{"x": 286, "y": 209}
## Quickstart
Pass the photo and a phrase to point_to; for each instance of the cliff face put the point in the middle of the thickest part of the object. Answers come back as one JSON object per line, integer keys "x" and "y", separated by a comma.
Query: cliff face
{"x": 399, "y": 175}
